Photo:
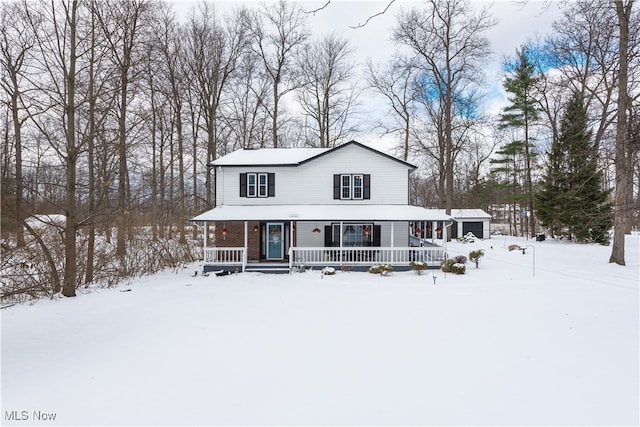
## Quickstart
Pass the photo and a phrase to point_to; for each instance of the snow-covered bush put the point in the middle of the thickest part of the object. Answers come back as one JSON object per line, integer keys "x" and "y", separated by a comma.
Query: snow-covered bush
{"x": 382, "y": 269}
{"x": 418, "y": 266}
{"x": 468, "y": 238}
{"x": 458, "y": 268}
{"x": 328, "y": 271}
{"x": 452, "y": 266}
{"x": 447, "y": 264}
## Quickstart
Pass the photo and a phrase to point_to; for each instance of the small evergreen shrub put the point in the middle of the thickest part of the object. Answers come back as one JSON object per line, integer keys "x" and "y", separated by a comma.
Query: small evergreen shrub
{"x": 418, "y": 266}
{"x": 475, "y": 256}
{"x": 446, "y": 265}
{"x": 382, "y": 269}
{"x": 458, "y": 268}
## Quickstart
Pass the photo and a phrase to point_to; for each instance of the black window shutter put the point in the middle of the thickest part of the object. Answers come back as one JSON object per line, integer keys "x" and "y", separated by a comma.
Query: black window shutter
{"x": 376, "y": 235}
{"x": 328, "y": 240}
{"x": 366, "y": 192}
{"x": 243, "y": 185}
{"x": 336, "y": 186}
{"x": 271, "y": 179}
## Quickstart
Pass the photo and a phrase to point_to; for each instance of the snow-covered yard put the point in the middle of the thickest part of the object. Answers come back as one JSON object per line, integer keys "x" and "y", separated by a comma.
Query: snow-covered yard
{"x": 495, "y": 346}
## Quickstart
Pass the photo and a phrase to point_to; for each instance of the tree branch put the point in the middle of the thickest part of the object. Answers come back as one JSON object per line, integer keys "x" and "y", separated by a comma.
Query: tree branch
{"x": 318, "y": 9}
{"x": 373, "y": 16}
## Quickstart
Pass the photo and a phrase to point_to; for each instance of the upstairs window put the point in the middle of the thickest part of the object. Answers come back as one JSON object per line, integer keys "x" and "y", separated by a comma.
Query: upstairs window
{"x": 251, "y": 185}
{"x": 257, "y": 184}
{"x": 357, "y": 183}
{"x": 351, "y": 186}
{"x": 262, "y": 185}
{"x": 345, "y": 189}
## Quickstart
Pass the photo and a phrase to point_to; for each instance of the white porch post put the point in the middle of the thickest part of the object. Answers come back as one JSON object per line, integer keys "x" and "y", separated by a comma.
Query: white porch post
{"x": 290, "y": 251}
{"x": 434, "y": 226}
{"x": 291, "y": 234}
{"x": 206, "y": 234}
{"x": 444, "y": 235}
{"x": 341, "y": 234}
{"x": 246, "y": 246}
{"x": 392, "y": 238}
{"x": 392, "y": 231}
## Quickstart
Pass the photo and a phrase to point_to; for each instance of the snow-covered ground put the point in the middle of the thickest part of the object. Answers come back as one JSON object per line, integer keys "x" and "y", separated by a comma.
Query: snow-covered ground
{"x": 496, "y": 346}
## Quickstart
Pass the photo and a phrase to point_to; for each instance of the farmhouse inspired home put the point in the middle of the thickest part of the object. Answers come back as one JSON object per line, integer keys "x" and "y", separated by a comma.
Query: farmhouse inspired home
{"x": 346, "y": 207}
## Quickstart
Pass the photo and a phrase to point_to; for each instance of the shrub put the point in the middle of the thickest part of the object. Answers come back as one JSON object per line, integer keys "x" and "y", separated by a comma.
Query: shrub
{"x": 328, "y": 271}
{"x": 447, "y": 264}
{"x": 461, "y": 259}
{"x": 458, "y": 268}
{"x": 475, "y": 256}
{"x": 418, "y": 266}
{"x": 382, "y": 269}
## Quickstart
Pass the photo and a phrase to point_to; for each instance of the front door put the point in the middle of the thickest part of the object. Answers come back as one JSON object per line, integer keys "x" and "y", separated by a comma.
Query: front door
{"x": 275, "y": 240}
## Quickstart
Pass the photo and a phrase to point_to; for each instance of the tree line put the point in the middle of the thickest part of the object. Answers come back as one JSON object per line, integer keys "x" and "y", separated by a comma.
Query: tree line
{"x": 112, "y": 109}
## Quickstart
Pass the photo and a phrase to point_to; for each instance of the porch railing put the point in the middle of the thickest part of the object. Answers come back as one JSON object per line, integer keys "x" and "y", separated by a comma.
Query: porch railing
{"x": 323, "y": 256}
{"x": 365, "y": 255}
{"x": 226, "y": 256}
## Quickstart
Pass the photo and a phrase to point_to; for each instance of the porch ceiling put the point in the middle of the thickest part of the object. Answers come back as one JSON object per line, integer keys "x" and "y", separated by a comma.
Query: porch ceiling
{"x": 323, "y": 213}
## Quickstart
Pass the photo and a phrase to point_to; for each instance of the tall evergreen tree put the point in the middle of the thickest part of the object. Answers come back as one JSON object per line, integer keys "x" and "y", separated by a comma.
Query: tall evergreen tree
{"x": 549, "y": 198}
{"x": 523, "y": 112}
{"x": 571, "y": 197}
{"x": 507, "y": 173}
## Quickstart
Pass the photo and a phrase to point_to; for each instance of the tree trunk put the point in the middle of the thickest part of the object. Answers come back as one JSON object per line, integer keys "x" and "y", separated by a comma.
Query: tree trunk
{"x": 89, "y": 271}
{"x": 121, "y": 244}
{"x": 623, "y": 172}
{"x": 17, "y": 127}
{"x": 70, "y": 249}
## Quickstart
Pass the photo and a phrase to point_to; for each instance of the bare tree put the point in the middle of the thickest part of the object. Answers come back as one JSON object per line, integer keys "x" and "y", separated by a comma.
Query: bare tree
{"x": 121, "y": 24}
{"x": 169, "y": 44}
{"x": 396, "y": 82}
{"x": 447, "y": 39}
{"x": 58, "y": 61}
{"x": 16, "y": 41}
{"x": 247, "y": 116}
{"x": 212, "y": 50}
{"x": 326, "y": 94}
{"x": 277, "y": 32}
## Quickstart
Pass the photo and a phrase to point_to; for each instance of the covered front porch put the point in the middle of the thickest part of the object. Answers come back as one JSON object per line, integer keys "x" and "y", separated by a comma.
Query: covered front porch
{"x": 282, "y": 238}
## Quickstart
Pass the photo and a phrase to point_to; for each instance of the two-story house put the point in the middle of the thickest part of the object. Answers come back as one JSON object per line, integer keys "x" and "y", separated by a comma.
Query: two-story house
{"x": 347, "y": 205}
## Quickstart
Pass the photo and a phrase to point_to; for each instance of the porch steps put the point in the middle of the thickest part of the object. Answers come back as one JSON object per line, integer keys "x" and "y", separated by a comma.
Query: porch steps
{"x": 266, "y": 269}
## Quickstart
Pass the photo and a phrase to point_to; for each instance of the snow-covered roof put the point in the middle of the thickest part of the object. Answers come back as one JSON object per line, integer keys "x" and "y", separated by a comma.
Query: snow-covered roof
{"x": 268, "y": 156}
{"x": 469, "y": 214}
{"x": 287, "y": 156}
{"x": 323, "y": 213}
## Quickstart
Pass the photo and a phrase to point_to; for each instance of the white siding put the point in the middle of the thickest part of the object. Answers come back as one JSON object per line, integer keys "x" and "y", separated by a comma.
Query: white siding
{"x": 312, "y": 182}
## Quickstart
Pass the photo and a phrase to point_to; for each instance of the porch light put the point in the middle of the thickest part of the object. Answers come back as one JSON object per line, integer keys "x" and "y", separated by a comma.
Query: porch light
{"x": 255, "y": 229}
{"x": 316, "y": 231}
{"x": 418, "y": 231}
{"x": 366, "y": 230}
{"x": 224, "y": 233}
